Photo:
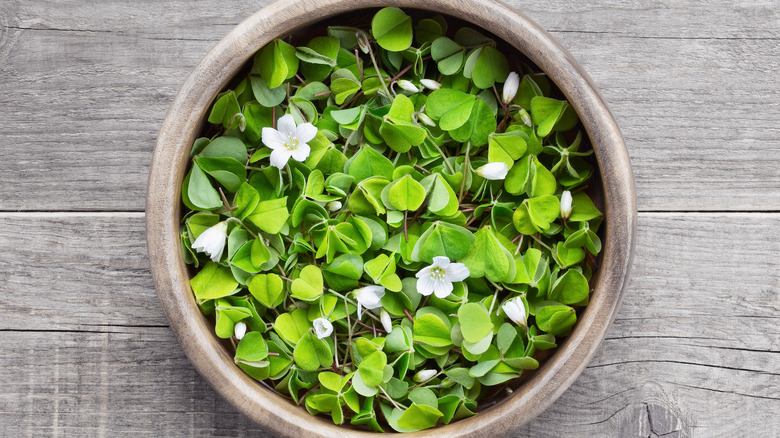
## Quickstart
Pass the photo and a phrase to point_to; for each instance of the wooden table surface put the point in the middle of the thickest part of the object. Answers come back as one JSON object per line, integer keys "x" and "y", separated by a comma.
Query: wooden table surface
{"x": 85, "y": 349}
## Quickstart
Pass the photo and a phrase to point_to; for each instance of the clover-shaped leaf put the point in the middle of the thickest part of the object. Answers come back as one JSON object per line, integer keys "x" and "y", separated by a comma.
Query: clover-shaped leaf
{"x": 308, "y": 286}
{"x": 406, "y": 194}
{"x": 267, "y": 289}
{"x": 488, "y": 258}
{"x": 570, "y": 288}
{"x": 392, "y": 29}
{"x": 276, "y": 62}
{"x": 312, "y": 353}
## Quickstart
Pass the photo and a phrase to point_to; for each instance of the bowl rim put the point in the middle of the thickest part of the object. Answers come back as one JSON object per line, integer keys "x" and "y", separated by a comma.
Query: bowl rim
{"x": 184, "y": 121}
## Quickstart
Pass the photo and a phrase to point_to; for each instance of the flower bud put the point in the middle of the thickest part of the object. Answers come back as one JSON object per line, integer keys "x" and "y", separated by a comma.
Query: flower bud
{"x": 510, "y": 87}
{"x": 525, "y": 117}
{"x": 212, "y": 241}
{"x": 333, "y": 206}
{"x": 239, "y": 330}
{"x": 408, "y": 86}
{"x": 566, "y": 204}
{"x": 387, "y": 324}
{"x": 362, "y": 40}
{"x": 322, "y": 327}
{"x": 515, "y": 311}
{"x": 430, "y": 84}
{"x": 425, "y": 119}
{"x": 493, "y": 171}
{"x": 424, "y": 375}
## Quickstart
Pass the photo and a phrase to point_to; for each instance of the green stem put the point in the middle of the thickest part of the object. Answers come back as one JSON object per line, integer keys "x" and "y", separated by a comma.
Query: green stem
{"x": 466, "y": 165}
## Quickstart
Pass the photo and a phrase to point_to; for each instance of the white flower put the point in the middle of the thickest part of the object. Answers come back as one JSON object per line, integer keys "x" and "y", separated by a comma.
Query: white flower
{"x": 430, "y": 84}
{"x": 387, "y": 324}
{"x": 239, "y": 330}
{"x": 288, "y": 140}
{"x": 212, "y": 241}
{"x": 369, "y": 297}
{"x": 425, "y": 119}
{"x": 438, "y": 277}
{"x": 408, "y": 86}
{"x": 493, "y": 171}
{"x": 322, "y": 327}
{"x": 510, "y": 87}
{"x": 515, "y": 310}
{"x": 565, "y": 204}
{"x": 424, "y": 375}
{"x": 333, "y": 205}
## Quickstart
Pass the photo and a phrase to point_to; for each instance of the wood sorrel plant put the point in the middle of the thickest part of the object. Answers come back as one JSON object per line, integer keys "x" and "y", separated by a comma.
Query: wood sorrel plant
{"x": 389, "y": 223}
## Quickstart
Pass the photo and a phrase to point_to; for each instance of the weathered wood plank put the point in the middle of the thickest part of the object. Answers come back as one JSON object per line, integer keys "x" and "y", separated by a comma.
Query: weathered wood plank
{"x": 689, "y": 83}
{"x": 694, "y": 349}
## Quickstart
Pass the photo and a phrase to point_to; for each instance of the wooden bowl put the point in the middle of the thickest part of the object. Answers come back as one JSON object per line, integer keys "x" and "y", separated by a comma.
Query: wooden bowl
{"x": 184, "y": 123}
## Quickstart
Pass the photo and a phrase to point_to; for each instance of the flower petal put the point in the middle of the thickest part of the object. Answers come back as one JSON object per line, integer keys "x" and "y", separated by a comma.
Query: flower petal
{"x": 442, "y": 288}
{"x": 301, "y": 152}
{"x": 457, "y": 272}
{"x": 425, "y": 285}
{"x": 441, "y": 261}
{"x": 305, "y": 132}
{"x": 286, "y": 125}
{"x": 273, "y": 138}
{"x": 424, "y": 272}
{"x": 279, "y": 157}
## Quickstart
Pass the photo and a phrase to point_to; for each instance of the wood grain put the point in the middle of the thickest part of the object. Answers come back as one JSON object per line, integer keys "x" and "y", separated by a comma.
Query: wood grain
{"x": 691, "y": 85}
{"x": 693, "y": 351}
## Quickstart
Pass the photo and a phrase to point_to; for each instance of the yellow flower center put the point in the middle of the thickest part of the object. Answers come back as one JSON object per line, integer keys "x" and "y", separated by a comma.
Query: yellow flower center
{"x": 291, "y": 144}
{"x": 437, "y": 273}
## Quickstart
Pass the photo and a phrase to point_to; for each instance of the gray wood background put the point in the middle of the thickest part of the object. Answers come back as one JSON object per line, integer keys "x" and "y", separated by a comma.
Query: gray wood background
{"x": 85, "y": 349}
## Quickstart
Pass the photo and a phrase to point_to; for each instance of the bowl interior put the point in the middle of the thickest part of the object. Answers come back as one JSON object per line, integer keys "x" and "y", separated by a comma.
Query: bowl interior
{"x": 612, "y": 190}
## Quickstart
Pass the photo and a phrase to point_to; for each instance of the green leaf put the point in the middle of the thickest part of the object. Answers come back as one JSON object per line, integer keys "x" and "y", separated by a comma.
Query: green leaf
{"x": 227, "y": 171}
{"x": 372, "y": 368}
{"x": 276, "y": 62}
{"x": 536, "y": 214}
{"x": 312, "y": 353}
{"x": 442, "y": 239}
{"x": 251, "y": 348}
{"x": 427, "y": 30}
{"x": 292, "y": 326}
{"x": 246, "y": 201}
{"x": 326, "y": 50}
{"x": 406, "y": 194}
{"x": 556, "y": 320}
{"x": 419, "y": 417}
{"x": 530, "y": 176}
{"x": 267, "y": 97}
{"x": 448, "y": 55}
{"x": 506, "y": 147}
{"x": 308, "y": 286}
{"x": 367, "y": 162}
{"x": 461, "y": 376}
{"x": 567, "y": 256}
{"x": 197, "y": 191}
{"x": 570, "y": 288}
{"x": 491, "y": 66}
{"x": 431, "y": 330}
{"x": 332, "y": 381}
{"x": 451, "y": 107}
{"x": 224, "y": 109}
{"x": 442, "y": 199}
{"x": 474, "y": 321}
{"x": 545, "y": 112}
{"x": 267, "y": 289}
{"x": 212, "y": 282}
{"x": 481, "y": 123}
{"x": 270, "y": 216}
{"x": 392, "y": 29}
{"x": 225, "y": 147}
{"x": 583, "y": 208}
{"x": 488, "y": 258}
